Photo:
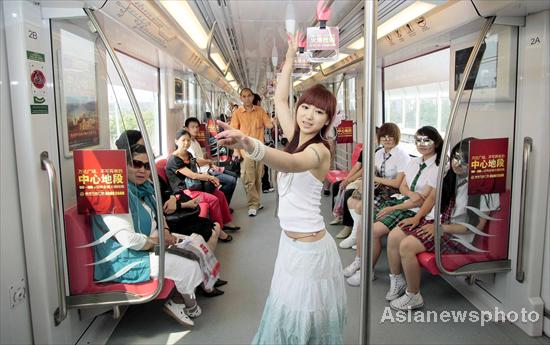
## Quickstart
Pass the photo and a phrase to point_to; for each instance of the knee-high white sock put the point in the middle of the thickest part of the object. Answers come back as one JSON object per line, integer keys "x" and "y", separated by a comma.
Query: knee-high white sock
{"x": 356, "y": 221}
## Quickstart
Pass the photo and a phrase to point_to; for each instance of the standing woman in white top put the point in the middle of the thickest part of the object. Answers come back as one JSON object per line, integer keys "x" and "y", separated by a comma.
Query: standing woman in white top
{"x": 307, "y": 301}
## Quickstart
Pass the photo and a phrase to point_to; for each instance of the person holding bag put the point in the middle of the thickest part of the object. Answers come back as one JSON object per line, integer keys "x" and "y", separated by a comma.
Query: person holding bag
{"x": 182, "y": 174}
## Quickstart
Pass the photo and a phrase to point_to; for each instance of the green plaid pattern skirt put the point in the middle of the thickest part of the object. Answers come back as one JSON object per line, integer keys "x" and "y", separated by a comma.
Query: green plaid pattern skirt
{"x": 392, "y": 219}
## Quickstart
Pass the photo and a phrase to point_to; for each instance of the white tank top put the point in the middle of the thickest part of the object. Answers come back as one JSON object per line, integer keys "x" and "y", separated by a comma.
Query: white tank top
{"x": 300, "y": 202}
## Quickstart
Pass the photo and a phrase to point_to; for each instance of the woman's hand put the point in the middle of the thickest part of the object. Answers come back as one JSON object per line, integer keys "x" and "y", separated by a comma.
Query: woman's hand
{"x": 169, "y": 239}
{"x": 170, "y": 206}
{"x": 344, "y": 183}
{"x": 292, "y": 44}
{"x": 214, "y": 180}
{"x": 384, "y": 212}
{"x": 193, "y": 203}
{"x": 234, "y": 138}
{"x": 416, "y": 198}
{"x": 427, "y": 231}
{"x": 412, "y": 222}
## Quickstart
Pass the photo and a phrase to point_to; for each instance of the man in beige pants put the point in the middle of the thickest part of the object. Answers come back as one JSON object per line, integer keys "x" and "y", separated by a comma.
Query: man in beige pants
{"x": 252, "y": 121}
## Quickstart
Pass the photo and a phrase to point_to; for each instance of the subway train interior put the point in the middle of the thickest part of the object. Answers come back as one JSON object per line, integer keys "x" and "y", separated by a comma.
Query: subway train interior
{"x": 77, "y": 74}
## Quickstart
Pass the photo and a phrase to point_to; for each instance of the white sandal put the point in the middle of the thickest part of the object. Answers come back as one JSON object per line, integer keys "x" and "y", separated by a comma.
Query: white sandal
{"x": 177, "y": 311}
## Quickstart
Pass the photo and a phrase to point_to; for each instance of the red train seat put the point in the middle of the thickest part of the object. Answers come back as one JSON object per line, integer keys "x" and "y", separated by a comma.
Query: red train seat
{"x": 161, "y": 169}
{"x": 496, "y": 246}
{"x": 78, "y": 232}
{"x": 334, "y": 176}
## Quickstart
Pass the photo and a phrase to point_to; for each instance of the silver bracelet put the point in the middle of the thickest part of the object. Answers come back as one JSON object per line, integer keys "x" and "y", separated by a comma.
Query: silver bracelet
{"x": 259, "y": 150}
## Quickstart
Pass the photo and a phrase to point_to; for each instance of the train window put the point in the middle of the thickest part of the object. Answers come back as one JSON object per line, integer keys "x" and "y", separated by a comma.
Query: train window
{"x": 192, "y": 100}
{"x": 340, "y": 96}
{"x": 416, "y": 94}
{"x": 351, "y": 108}
{"x": 144, "y": 79}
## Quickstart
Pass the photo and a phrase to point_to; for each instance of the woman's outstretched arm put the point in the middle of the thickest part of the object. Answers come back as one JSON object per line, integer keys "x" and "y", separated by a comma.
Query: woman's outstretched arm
{"x": 282, "y": 109}
{"x": 313, "y": 157}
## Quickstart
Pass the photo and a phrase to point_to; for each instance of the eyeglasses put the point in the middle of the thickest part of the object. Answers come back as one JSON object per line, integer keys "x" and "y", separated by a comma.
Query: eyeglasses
{"x": 423, "y": 140}
{"x": 386, "y": 138}
{"x": 459, "y": 160}
{"x": 137, "y": 164}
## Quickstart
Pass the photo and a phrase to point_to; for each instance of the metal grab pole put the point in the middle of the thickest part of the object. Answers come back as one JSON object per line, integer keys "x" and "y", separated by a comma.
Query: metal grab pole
{"x": 369, "y": 111}
{"x": 150, "y": 156}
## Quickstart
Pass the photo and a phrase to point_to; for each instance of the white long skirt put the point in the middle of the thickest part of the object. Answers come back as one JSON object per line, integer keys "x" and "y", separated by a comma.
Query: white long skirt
{"x": 185, "y": 273}
{"x": 307, "y": 300}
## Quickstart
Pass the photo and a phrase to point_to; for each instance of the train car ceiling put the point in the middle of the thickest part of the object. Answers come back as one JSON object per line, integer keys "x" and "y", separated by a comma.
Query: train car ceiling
{"x": 160, "y": 43}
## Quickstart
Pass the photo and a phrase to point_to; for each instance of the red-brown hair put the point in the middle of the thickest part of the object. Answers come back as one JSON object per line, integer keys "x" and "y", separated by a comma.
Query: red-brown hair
{"x": 320, "y": 97}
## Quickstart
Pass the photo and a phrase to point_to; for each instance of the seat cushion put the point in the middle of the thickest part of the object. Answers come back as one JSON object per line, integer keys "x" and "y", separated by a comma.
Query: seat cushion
{"x": 78, "y": 232}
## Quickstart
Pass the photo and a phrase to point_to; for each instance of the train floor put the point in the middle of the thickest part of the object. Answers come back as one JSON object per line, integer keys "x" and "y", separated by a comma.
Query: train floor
{"x": 247, "y": 263}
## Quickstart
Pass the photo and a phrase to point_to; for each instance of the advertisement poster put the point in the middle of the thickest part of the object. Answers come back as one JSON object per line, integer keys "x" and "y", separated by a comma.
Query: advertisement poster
{"x": 79, "y": 93}
{"x": 101, "y": 181}
{"x": 344, "y": 132}
{"x": 488, "y": 164}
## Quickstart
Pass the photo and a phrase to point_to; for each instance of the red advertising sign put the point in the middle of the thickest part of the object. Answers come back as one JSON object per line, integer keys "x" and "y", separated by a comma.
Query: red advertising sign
{"x": 344, "y": 132}
{"x": 488, "y": 162}
{"x": 101, "y": 181}
{"x": 201, "y": 137}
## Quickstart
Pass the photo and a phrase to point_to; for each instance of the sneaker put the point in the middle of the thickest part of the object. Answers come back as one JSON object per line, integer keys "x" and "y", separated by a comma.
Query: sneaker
{"x": 177, "y": 311}
{"x": 336, "y": 221}
{"x": 354, "y": 247}
{"x": 355, "y": 279}
{"x": 194, "y": 311}
{"x": 348, "y": 242}
{"x": 260, "y": 207}
{"x": 252, "y": 212}
{"x": 269, "y": 190}
{"x": 353, "y": 267}
{"x": 344, "y": 233}
{"x": 398, "y": 285}
{"x": 408, "y": 301}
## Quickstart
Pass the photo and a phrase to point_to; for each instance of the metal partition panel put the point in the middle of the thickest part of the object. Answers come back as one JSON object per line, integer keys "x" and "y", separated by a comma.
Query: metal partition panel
{"x": 473, "y": 195}
{"x": 95, "y": 104}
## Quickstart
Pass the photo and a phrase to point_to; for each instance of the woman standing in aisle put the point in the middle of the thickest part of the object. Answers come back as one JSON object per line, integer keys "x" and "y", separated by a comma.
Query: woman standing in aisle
{"x": 307, "y": 301}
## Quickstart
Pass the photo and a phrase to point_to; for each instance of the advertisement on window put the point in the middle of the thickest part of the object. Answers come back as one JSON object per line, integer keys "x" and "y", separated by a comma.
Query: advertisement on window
{"x": 344, "y": 132}
{"x": 488, "y": 162}
{"x": 101, "y": 181}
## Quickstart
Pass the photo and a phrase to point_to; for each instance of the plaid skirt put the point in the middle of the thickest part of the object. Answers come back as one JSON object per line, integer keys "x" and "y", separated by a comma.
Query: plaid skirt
{"x": 393, "y": 218}
{"x": 448, "y": 244}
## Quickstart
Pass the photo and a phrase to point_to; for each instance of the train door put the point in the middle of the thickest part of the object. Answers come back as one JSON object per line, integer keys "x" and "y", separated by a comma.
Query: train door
{"x": 68, "y": 94}
{"x": 498, "y": 120}
{"x": 495, "y": 132}
{"x": 498, "y": 135}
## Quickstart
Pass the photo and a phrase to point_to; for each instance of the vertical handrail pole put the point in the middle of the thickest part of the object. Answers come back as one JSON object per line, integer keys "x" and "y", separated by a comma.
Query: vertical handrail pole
{"x": 369, "y": 111}
{"x": 150, "y": 156}
{"x": 447, "y": 141}
{"x": 527, "y": 148}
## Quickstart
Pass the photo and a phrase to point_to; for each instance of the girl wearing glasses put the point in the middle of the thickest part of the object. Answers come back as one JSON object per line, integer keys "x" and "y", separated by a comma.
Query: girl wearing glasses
{"x": 390, "y": 163}
{"x": 406, "y": 242}
{"x": 411, "y": 204}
